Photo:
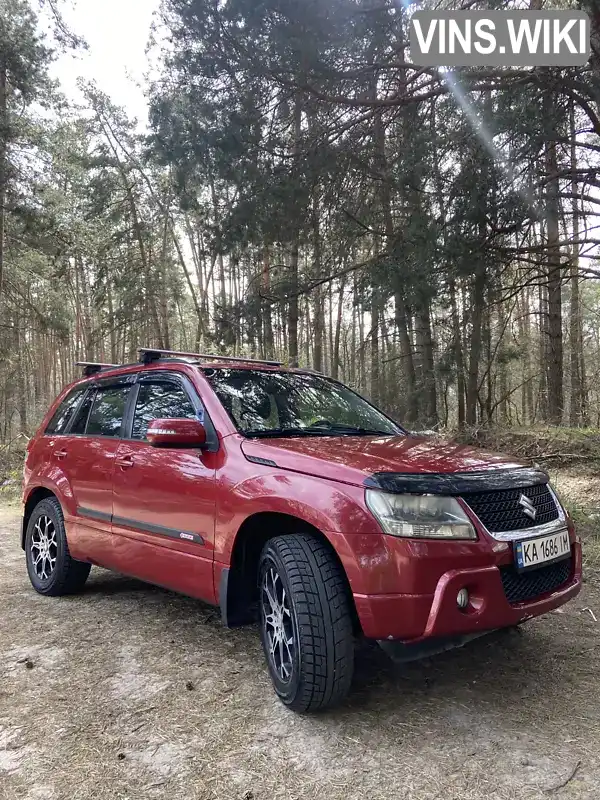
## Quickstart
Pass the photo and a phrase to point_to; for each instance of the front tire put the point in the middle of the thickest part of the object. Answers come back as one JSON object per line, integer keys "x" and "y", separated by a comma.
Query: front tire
{"x": 51, "y": 569}
{"x": 305, "y": 622}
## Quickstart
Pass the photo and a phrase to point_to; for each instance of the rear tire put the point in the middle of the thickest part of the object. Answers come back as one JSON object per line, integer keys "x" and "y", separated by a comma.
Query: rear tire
{"x": 51, "y": 569}
{"x": 305, "y": 622}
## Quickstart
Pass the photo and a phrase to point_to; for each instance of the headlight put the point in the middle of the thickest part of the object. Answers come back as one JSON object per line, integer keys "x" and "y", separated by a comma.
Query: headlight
{"x": 420, "y": 516}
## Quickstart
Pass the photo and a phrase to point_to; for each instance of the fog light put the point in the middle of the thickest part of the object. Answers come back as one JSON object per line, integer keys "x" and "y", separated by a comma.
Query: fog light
{"x": 462, "y": 599}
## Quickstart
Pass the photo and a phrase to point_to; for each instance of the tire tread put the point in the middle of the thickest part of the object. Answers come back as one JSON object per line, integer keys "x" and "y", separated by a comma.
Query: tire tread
{"x": 322, "y": 605}
{"x": 72, "y": 574}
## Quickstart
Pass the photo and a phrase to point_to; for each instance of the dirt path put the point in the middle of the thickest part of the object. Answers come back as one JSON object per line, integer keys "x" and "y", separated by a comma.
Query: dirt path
{"x": 131, "y": 692}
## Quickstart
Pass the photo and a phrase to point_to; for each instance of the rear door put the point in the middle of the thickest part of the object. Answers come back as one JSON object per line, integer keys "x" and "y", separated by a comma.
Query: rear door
{"x": 47, "y": 454}
{"x": 90, "y": 449}
{"x": 47, "y": 462}
{"x": 164, "y": 498}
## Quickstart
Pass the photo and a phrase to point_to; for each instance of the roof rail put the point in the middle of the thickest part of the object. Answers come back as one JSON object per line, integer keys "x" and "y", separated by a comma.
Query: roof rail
{"x": 92, "y": 368}
{"x": 150, "y": 354}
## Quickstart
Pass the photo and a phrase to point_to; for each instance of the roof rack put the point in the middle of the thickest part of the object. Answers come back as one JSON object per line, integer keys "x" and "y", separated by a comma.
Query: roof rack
{"x": 92, "y": 368}
{"x": 150, "y": 354}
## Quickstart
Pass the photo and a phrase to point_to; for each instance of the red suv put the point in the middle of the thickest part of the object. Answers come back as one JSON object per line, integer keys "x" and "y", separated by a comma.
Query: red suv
{"x": 281, "y": 495}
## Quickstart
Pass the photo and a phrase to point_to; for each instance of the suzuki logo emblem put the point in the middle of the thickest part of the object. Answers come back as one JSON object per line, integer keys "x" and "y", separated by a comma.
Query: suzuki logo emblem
{"x": 528, "y": 507}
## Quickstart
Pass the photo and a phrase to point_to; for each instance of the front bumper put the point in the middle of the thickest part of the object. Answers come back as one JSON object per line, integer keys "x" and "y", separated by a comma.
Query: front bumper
{"x": 415, "y": 617}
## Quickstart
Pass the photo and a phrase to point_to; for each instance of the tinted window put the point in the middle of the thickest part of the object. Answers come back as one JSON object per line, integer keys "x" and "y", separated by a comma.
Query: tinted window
{"x": 62, "y": 417}
{"x": 82, "y": 415}
{"x": 106, "y": 416}
{"x": 160, "y": 401}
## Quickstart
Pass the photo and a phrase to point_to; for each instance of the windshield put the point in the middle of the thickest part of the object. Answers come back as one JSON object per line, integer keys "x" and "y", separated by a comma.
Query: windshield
{"x": 294, "y": 404}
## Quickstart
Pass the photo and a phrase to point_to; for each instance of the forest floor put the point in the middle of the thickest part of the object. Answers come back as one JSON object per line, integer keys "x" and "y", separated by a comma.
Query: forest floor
{"x": 128, "y": 691}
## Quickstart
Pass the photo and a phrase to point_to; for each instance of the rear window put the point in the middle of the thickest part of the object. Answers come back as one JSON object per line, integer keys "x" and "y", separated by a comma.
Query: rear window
{"x": 81, "y": 418}
{"x": 59, "y": 422}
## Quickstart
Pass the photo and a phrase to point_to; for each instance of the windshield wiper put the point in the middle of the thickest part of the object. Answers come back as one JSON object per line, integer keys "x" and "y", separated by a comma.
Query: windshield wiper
{"x": 352, "y": 430}
{"x": 276, "y": 433}
{"x": 331, "y": 429}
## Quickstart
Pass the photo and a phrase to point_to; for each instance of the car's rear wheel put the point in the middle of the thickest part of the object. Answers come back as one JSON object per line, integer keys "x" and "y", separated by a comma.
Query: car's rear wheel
{"x": 51, "y": 569}
{"x": 305, "y": 622}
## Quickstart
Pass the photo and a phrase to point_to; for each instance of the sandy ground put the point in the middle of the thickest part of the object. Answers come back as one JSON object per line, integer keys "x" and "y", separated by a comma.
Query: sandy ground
{"x": 128, "y": 691}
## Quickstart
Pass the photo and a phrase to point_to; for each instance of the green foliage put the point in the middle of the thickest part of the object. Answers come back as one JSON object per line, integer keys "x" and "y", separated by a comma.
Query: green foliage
{"x": 22, "y": 52}
{"x": 303, "y": 191}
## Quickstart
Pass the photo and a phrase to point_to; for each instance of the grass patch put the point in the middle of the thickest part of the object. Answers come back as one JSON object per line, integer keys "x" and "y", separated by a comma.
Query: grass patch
{"x": 587, "y": 525}
{"x": 550, "y": 446}
{"x": 579, "y": 490}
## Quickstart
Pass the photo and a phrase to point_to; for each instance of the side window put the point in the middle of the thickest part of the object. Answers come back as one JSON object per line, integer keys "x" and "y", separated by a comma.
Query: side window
{"x": 106, "y": 416}
{"x": 160, "y": 401}
{"x": 81, "y": 418}
{"x": 64, "y": 412}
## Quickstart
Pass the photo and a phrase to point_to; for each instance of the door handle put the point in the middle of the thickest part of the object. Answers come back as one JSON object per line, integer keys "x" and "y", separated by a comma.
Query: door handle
{"x": 125, "y": 463}
{"x": 60, "y": 454}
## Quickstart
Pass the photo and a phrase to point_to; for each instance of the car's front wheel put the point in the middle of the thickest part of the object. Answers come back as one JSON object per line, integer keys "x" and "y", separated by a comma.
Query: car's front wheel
{"x": 51, "y": 569}
{"x": 305, "y": 622}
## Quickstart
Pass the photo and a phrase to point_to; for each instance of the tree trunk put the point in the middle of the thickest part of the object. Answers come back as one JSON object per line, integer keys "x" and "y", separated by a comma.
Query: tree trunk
{"x": 319, "y": 311}
{"x": 111, "y": 322}
{"x": 293, "y": 310}
{"x": 528, "y": 376}
{"x": 476, "y": 347}
{"x": 424, "y": 342}
{"x": 355, "y": 301}
{"x": 458, "y": 355}
{"x": 375, "y": 364}
{"x": 555, "y": 341}
{"x": 575, "y": 333}
{"x": 543, "y": 352}
{"x": 406, "y": 352}
{"x": 22, "y": 370}
{"x": 335, "y": 356}
{"x": 489, "y": 355}
{"x": 269, "y": 347}
{"x": 164, "y": 292}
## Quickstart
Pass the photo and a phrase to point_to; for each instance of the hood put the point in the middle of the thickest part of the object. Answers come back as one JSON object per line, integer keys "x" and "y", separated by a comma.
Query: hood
{"x": 352, "y": 459}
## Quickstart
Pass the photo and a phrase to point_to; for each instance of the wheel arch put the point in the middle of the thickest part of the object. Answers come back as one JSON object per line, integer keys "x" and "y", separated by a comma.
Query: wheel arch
{"x": 238, "y": 591}
{"x": 35, "y": 496}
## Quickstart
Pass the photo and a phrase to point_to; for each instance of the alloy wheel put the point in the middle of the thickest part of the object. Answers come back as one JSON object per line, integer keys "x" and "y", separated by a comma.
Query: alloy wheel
{"x": 44, "y": 548}
{"x": 278, "y": 625}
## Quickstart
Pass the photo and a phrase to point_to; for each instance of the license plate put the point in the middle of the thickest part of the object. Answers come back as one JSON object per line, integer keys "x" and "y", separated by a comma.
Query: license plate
{"x": 539, "y": 551}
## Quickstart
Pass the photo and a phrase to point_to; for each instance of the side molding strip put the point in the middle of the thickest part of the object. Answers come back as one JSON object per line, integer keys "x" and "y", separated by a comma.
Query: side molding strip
{"x": 146, "y": 527}
{"x": 93, "y": 514}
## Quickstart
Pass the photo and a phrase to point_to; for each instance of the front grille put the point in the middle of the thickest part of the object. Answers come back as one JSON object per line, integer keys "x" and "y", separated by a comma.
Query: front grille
{"x": 519, "y": 587}
{"x": 500, "y": 510}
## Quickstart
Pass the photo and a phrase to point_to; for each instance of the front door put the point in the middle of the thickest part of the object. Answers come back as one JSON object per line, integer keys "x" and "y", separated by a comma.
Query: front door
{"x": 164, "y": 498}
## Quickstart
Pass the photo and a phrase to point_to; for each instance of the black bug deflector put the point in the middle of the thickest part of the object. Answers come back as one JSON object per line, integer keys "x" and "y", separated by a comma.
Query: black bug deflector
{"x": 456, "y": 483}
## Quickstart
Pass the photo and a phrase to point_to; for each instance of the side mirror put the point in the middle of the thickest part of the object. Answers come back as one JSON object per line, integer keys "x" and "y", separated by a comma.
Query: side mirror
{"x": 176, "y": 433}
